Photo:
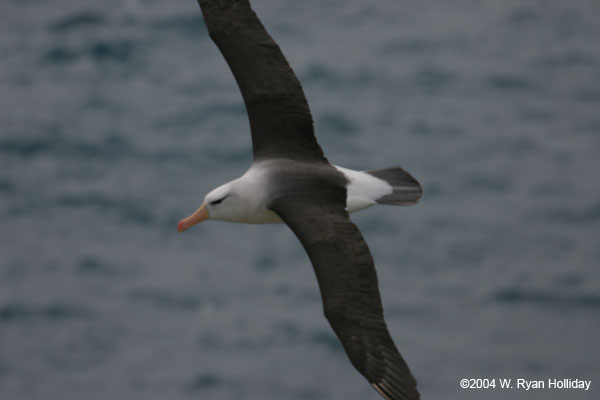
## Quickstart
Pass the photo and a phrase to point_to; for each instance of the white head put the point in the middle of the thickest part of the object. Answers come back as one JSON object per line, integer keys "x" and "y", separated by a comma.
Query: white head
{"x": 233, "y": 202}
{"x": 217, "y": 204}
{"x": 241, "y": 200}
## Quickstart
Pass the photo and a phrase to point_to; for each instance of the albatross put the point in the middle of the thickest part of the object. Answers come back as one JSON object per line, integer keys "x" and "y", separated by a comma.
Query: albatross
{"x": 291, "y": 181}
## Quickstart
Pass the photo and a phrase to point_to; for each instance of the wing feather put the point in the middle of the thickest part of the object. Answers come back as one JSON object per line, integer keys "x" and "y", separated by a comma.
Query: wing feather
{"x": 349, "y": 290}
{"x": 280, "y": 119}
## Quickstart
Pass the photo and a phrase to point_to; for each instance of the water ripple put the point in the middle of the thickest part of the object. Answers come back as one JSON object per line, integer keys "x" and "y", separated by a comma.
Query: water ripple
{"x": 336, "y": 123}
{"x": 566, "y": 215}
{"x": 408, "y": 46}
{"x": 6, "y": 186}
{"x": 25, "y": 148}
{"x": 83, "y": 19}
{"x": 435, "y": 79}
{"x": 205, "y": 381}
{"x": 90, "y": 265}
{"x": 127, "y": 209}
{"x": 18, "y": 312}
{"x": 523, "y": 15}
{"x": 326, "y": 340}
{"x": 187, "y": 25}
{"x": 326, "y": 76}
{"x": 511, "y": 82}
{"x": 547, "y": 299}
{"x": 164, "y": 299}
{"x": 110, "y": 147}
{"x": 120, "y": 51}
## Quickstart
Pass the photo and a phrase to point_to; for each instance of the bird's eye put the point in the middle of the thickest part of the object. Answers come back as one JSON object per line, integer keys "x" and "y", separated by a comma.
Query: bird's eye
{"x": 218, "y": 201}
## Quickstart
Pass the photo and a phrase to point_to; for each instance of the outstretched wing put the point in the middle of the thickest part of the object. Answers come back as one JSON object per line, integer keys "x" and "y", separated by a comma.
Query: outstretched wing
{"x": 280, "y": 120}
{"x": 348, "y": 283}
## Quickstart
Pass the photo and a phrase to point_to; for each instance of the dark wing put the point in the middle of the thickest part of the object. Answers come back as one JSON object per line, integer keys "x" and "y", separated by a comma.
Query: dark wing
{"x": 348, "y": 283}
{"x": 280, "y": 120}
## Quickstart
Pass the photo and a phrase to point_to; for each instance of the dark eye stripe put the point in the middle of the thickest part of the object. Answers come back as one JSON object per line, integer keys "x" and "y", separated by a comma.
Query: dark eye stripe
{"x": 219, "y": 201}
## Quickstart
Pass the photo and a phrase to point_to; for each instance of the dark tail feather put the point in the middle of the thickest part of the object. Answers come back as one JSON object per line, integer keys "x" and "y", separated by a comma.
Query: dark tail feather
{"x": 407, "y": 190}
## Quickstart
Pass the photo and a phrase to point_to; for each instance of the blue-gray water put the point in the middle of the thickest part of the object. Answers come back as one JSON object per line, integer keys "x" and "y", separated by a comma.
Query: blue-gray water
{"x": 116, "y": 117}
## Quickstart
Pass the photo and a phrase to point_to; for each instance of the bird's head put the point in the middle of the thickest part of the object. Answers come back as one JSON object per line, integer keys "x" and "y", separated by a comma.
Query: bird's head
{"x": 223, "y": 203}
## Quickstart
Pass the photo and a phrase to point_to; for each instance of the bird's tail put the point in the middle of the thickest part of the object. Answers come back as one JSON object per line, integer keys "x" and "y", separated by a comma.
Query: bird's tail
{"x": 407, "y": 190}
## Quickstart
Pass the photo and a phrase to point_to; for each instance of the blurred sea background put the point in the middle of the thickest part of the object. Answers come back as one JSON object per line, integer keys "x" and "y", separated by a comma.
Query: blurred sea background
{"x": 116, "y": 117}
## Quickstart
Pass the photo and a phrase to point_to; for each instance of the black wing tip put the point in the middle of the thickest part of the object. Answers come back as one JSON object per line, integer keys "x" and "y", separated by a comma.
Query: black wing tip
{"x": 410, "y": 393}
{"x": 397, "y": 383}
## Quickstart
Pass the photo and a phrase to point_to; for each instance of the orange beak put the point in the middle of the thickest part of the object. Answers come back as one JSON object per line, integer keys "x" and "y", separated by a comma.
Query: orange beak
{"x": 201, "y": 214}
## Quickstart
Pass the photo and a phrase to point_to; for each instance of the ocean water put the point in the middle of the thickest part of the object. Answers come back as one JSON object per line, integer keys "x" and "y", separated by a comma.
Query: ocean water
{"x": 116, "y": 117}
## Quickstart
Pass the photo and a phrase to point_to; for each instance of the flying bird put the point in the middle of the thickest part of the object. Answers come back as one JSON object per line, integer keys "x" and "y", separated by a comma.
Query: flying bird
{"x": 291, "y": 181}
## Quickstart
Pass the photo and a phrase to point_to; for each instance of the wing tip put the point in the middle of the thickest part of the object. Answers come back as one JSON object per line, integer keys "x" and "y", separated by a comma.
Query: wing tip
{"x": 380, "y": 391}
{"x": 388, "y": 394}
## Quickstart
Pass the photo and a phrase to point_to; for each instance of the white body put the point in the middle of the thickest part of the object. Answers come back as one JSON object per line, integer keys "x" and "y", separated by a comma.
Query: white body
{"x": 243, "y": 199}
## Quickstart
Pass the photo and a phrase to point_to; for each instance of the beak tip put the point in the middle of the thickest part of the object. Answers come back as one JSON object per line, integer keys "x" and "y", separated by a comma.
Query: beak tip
{"x": 201, "y": 214}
